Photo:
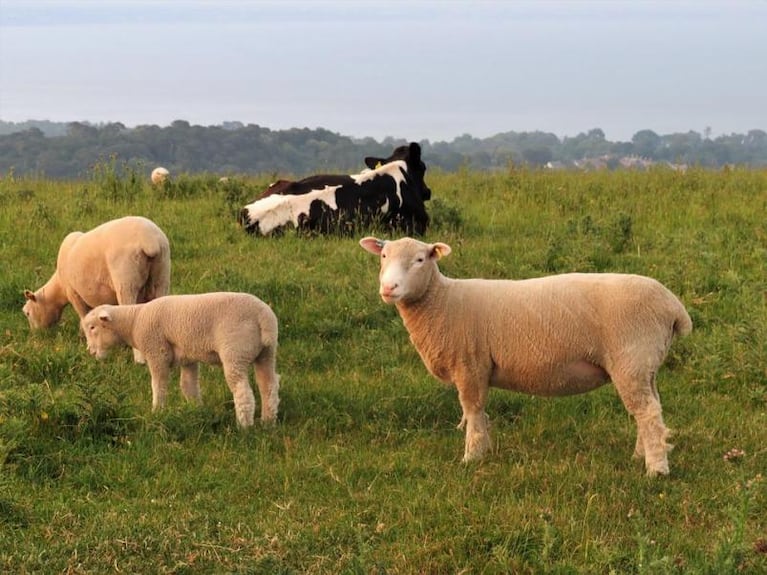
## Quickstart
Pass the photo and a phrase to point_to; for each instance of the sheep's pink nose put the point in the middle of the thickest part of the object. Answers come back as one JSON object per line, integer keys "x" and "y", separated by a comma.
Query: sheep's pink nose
{"x": 387, "y": 289}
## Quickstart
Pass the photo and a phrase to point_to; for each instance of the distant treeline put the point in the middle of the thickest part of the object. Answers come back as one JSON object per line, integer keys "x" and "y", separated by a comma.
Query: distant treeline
{"x": 71, "y": 150}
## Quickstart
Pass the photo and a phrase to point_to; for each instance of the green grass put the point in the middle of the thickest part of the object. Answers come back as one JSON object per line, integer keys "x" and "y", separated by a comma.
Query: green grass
{"x": 362, "y": 474}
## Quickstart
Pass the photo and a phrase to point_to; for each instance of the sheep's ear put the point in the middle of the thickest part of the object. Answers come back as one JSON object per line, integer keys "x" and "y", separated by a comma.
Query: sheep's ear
{"x": 440, "y": 250}
{"x": 30, "y": 295}
{"x": 104, "y": 316}
{"x": 373, "y": 245}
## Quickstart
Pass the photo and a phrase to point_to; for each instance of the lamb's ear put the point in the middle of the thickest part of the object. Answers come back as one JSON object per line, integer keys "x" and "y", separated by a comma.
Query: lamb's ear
{"x": 30, "y": 295}
{"x": 104, "y": 316}
{"x": 440, "y": 250}
{"x": 373, "y": 245}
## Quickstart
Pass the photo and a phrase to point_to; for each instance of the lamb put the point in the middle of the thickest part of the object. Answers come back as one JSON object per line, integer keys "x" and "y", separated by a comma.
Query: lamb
{"x": 550, "y": 336}
{"x": 235, "y": 330}
{"x": 122, "y": 261}
{"x": 159, "y": 175}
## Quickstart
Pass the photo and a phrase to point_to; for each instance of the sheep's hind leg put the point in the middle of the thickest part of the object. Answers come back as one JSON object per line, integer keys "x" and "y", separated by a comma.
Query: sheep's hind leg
{"x": 244, "y": 400}
{"x": 654, "y": 434}
{"x": 190, "y": 382}
{"x": 643, "y": 403}
{"x": 268, "y": 387}
{"x": 639, "y": 449}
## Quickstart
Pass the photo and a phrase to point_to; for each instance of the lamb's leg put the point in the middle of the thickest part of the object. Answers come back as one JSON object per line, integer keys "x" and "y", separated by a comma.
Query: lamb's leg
{"x": 160, "y": 373}
{"x": 639, "y": 447}
{"x": 138, "y": 357}
{"x": 654, "y": 435}
{"x": 473, "y": 402}
{"x": 640, "y": 396}
{"x": 244, "y": 400}
{"x": 190, "y": 383}
{"x": 268, "y": 387}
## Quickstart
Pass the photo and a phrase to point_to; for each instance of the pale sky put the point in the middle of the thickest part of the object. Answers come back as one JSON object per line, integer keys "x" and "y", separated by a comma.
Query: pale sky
{"x": 411, "y": 69}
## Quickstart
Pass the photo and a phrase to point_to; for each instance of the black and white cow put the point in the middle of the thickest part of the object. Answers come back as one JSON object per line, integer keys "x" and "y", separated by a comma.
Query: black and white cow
{"x": 392, "y": 192}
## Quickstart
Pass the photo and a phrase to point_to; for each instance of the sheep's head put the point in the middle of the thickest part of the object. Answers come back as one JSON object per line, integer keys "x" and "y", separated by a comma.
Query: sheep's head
{"x": 407, "y": 266}
{"x": 40, "y": 313}
{"x": 97, "y": 327}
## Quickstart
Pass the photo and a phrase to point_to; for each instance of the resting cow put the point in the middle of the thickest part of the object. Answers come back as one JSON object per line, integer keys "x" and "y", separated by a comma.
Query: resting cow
{"x": 392, "y": 193}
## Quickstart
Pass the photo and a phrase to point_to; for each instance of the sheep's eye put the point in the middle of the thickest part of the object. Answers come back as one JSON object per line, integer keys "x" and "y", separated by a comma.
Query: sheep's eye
{"x": 383, "y": 256}
{"x": 419, "y": 260}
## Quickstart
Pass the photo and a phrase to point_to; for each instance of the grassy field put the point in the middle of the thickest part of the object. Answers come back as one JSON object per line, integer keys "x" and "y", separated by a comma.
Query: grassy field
{"x": 362, "y": 474}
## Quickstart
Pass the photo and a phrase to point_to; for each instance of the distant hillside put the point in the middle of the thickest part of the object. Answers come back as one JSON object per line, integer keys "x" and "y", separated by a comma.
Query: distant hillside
{"x": 70, "y": 150}
{"x": 45, "y": 126}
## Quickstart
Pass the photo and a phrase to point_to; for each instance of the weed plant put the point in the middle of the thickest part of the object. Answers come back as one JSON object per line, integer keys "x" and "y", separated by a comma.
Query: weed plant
{"x": 362, "y": 474}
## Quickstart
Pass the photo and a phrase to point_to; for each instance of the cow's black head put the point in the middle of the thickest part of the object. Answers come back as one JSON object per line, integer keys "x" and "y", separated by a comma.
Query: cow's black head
{"x": 399, "y": 153}
{"x": 411, "y": 155}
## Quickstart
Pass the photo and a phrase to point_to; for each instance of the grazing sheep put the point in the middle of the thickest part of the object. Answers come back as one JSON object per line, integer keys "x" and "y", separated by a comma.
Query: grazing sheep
{"x": 550, "y": 336}
{"x": 160, "y": 175}
{"x": 236, "y": 330}
{"x": 122, "y": 261}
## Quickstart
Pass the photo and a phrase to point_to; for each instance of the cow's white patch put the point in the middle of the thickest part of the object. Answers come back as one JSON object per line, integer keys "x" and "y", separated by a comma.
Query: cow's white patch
{"x": 395, "y": 170}
{"x": 275, "y": 211}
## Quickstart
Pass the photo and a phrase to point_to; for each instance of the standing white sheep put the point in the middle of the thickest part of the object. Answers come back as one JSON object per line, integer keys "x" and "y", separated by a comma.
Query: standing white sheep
{"x": 551, "y": 336}
{"x": 122, "y": 261}
{"x": 159, "y": 175}
{"x": 235, "y": 330}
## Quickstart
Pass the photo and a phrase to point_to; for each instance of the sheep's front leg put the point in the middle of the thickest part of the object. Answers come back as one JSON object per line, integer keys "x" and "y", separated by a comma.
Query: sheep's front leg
{"x": 473, "y": 398}
{"x": 244, "y": 400}
{"x": 78, "y": 303}
{"x": 190, "y": 382}
{"x": 127, "y": 296}
{"x": 160, "y": 373}
{"x": 639, "y": 445}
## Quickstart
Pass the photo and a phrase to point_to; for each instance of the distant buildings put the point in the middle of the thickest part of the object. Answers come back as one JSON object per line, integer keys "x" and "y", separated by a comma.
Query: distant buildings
{"x": 610, "y": 162}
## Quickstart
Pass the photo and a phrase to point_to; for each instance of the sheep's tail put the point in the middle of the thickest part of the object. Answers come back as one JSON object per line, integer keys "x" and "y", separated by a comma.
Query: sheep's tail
{"x": 682, "y": 321}
{"x": 269, "y": 331}
{"x": 157, "y": 252}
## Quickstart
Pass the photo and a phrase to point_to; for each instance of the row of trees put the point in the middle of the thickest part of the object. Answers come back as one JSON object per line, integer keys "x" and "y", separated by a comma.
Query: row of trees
{"x": 71, "y": 150}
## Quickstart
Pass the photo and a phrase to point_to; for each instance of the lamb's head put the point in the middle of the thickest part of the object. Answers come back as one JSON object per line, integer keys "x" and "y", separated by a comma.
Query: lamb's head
{"x": 407, "y": 267}
{"x": 40, "y": 314}
{"x": 97, "y": 327}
